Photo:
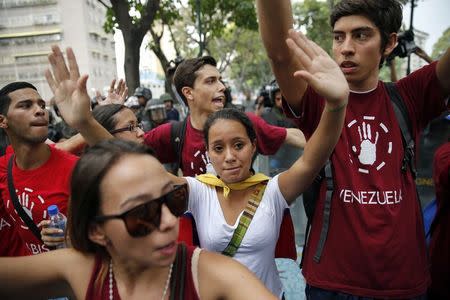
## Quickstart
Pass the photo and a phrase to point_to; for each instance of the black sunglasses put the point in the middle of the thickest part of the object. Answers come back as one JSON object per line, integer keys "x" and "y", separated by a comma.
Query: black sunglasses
{"x": 143, "y": 219}
{"x": 130, "y": 127}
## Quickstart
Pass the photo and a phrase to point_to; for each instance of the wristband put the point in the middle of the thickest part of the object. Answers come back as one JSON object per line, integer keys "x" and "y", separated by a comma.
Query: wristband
{"x": 339, "y": 108}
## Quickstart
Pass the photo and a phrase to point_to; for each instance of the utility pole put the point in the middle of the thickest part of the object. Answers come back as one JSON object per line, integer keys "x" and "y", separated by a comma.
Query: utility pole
{"x": 408, "y": 69}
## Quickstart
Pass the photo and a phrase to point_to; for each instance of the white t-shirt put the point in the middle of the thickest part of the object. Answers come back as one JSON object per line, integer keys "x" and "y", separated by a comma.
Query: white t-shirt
{"x": 257, "y": 250}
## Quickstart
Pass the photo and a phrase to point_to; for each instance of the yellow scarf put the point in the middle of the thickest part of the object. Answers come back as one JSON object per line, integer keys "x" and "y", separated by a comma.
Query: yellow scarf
{"x": 212, "y": 180}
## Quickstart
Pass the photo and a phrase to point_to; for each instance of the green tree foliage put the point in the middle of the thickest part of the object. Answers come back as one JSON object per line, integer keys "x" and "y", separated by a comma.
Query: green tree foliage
{"x": 236, "y": 45}
{"x": 441, "y": 45}
{"x": 312, "y": 17}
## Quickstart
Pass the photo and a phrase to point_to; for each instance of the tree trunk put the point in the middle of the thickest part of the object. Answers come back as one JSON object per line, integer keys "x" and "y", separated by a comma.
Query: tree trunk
{"x": 131, "y": 62}
{"x": 156, "y": 48}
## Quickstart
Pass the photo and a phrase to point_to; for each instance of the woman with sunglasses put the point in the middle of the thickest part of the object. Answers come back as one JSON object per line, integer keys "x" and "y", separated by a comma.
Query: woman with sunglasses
{"x": 239, "y": 213}
{"x": 123, "y": 228}
{"x": 122, "y": 123}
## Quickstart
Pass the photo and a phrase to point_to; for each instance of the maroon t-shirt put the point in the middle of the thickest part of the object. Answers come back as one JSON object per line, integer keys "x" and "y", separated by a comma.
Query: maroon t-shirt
{"x": 375, "y": 245}
{"x": 36, "y": 190}
{"x": 194, "y": 158}
{"x": 181, "y": 281}
{"x": 440, "y": 239}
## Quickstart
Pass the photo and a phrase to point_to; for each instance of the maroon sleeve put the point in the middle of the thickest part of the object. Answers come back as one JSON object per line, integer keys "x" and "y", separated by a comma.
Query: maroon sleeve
{"x": 269, "y": 138}
{"x": 423, "y": 95}
{"x": 159, "y": 140}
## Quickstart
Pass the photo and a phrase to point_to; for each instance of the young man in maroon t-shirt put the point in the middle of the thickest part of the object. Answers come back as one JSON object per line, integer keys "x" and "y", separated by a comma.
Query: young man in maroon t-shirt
{"x": 199, "y": 84}
{"x": 375, "y": 246}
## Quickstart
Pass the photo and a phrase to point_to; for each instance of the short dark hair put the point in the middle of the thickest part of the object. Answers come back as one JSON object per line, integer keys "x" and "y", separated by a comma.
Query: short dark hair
{"x": 186, "y": 72}
{"x": 5, "y": 100}
{"x": 104, "y": 114}
{"x": 85, "y": 197}
{"x": 229, "y": 114}
{"x": 385, "y": 14}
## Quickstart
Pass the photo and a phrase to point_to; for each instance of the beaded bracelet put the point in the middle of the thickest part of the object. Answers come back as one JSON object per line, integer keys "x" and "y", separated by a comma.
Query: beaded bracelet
{"x": 336, "y": 109}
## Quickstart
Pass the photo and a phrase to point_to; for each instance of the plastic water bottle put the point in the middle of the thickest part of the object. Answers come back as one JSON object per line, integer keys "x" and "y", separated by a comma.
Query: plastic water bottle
{"x": 57, "y": 220}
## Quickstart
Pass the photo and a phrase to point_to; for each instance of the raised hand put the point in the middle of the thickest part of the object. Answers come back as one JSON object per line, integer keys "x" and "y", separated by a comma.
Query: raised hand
{"x": 320, "y": 70}
{"x": 116, "y": 94}
{"x": 68, "y": 87}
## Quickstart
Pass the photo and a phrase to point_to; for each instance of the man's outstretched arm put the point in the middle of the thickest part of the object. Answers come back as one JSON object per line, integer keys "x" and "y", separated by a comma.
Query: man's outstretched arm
{"x": 295, "y": 137}
{"x": 275, "y": 21}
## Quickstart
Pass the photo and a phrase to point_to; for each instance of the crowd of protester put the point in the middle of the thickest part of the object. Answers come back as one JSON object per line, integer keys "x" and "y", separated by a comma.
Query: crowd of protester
{"x": 166, "y": 205}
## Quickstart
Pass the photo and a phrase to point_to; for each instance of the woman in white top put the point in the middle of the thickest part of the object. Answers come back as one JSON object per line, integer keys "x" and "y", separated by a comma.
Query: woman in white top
{"x": 217, "y": 203}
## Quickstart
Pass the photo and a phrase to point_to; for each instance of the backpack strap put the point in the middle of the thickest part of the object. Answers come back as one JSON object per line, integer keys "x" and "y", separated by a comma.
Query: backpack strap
{"x": 177, "y": 134}
{"x": 19, "y": 209}
{"x": 245, "y": 220}
{"x": 177, "y": 282}
{"x": 326, "y": 211}
{"x": 404, "y": 122}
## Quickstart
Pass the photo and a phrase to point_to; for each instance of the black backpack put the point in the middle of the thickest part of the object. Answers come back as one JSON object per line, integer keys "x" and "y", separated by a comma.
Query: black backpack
{"x": 311, "y": 196}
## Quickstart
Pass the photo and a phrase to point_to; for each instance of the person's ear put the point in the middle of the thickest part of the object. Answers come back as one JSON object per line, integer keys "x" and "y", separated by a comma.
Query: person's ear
{"x": 391, "y": 44}
{"x": 3, "y": 121}
{"x": 187, "y": 92}
{"x": 97, "y": 235}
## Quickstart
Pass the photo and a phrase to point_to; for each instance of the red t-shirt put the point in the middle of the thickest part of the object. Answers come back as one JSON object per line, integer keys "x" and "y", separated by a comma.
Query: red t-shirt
{"x": 36, "y": 190}
{"x": 10, "y": 242}
{"x": 194, "y": 158}
{"x": 440, "y": 239}
{"x": 375, "y": 245}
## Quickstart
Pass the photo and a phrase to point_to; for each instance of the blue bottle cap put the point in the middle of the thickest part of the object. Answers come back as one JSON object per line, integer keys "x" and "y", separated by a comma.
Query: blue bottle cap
{"x": 53, "y": 210}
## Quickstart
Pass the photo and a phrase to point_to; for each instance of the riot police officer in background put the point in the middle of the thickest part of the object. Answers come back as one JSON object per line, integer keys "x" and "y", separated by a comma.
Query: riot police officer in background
{"x": 143, "y": 95}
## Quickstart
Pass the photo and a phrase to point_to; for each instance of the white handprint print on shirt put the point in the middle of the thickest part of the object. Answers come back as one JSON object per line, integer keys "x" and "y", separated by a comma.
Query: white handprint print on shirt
{"x": 368, "y": 153}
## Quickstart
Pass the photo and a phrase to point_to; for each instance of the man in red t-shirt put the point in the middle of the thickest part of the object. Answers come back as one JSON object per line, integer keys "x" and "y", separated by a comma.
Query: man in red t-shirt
{"x": 375, "y": 246}
{"x": 41, "y": 174}
{"x": 199, "y": 84}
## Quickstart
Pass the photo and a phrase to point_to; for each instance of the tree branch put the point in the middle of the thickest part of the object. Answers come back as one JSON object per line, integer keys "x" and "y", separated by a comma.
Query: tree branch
{"x": 104, "y": 4}
{"x": 174, "y": 41}
{"x": 149, "y": 15}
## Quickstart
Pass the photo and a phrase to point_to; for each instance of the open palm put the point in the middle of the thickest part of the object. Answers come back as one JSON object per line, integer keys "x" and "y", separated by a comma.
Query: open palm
{"x": 320, "y": 70}
{"x": 68, "y": 87}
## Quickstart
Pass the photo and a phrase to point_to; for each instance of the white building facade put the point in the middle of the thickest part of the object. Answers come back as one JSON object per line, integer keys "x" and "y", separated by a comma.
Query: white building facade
{"x": 28, "y": 28}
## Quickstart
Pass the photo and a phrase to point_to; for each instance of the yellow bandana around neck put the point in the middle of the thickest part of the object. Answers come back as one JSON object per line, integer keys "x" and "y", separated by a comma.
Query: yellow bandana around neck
{"x": 213, "y": 180}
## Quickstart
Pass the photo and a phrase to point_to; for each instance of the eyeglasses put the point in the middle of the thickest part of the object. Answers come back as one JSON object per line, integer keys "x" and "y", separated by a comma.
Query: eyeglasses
{"x": 131, "y": 127}
{"x": 143, "y": 219}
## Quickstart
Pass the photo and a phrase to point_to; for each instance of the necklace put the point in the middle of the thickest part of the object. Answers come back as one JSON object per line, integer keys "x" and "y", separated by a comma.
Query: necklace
{"x": 111, "y": 284}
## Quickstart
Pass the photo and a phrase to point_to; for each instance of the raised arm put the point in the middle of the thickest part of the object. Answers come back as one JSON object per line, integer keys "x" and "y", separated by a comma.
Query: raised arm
{"x": 117, "y": 94}
{"x": 443, "y": 72}
{"x": 327, "y": 79}
{"x": 275, "y": 21}
{"x": 71, "y": 96}
{"x": 295, "y": 137}
{"x": 221, "y": 277}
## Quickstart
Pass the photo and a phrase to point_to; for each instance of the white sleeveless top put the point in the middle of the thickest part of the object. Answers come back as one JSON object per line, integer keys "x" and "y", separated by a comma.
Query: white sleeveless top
{"x": 257, "y": 250}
